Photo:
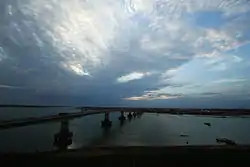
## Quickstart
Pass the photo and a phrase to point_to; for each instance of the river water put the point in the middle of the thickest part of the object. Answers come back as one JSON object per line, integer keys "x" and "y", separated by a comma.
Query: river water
{"x": 146, "y": 130}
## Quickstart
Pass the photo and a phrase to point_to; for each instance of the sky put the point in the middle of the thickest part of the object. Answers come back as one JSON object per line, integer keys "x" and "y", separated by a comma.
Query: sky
{"x": 138, "y": 53}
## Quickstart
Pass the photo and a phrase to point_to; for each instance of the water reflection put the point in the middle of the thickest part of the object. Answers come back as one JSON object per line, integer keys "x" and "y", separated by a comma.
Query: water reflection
{"x": 122, "y": 122}
{"x": 63, "y": 138}
{"x": 130, "y": 116}
{"x": 149, "y": 130}
{"x": 109, "y": 130}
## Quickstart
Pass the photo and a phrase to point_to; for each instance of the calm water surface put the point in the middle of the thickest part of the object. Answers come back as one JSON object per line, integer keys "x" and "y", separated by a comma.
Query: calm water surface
{"x": 149, "y": 130}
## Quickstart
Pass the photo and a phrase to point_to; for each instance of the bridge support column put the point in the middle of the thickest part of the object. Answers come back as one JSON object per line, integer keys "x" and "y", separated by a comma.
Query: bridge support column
{"x": 134, "y": 114}
{"x": 122, "y": 117}
{"x": 106, "y": 123}
{"x": 63, "y": 138}
{"x": 130, "y": 115}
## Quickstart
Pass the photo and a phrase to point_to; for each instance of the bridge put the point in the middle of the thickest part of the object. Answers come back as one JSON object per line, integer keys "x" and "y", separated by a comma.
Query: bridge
{"x": 85, "y": 111}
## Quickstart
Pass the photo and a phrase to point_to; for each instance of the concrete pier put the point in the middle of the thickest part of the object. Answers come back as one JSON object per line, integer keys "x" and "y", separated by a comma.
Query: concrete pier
{"x": 130, "y": 116}
{"x": 106, "y": 123}
{"x": 122, "y": 117}
{"x": 134, "y": 114}
{"x": 63, "y": 138}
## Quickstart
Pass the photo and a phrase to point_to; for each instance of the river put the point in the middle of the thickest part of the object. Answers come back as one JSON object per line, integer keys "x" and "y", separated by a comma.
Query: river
{"x": 146, "y": 130}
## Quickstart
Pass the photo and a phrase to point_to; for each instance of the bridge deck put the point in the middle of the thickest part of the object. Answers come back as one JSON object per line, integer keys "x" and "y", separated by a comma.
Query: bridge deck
{"x": 91, "y": 111}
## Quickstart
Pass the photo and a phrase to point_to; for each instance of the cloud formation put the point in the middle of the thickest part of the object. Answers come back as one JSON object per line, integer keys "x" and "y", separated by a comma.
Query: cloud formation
{"x": 154, "y": 95}
{"x": 9, "y": 87}
{"x": 132, "y": 76}
{"x": 105, "y": 52}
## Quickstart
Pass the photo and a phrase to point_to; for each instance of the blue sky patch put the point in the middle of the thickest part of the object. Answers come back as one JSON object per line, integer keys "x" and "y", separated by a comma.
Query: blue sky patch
{"x": 209, "y": 19}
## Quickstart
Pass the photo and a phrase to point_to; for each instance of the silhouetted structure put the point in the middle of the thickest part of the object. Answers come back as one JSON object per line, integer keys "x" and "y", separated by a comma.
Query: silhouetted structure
{"x": 106, "y": 123}
{"x": 226, "y": 141}
{"x": 134, "y": 114}
{"x": 122, "y": 117}
{"x": 64, "y": 138}
{"x": 130, "y": 116}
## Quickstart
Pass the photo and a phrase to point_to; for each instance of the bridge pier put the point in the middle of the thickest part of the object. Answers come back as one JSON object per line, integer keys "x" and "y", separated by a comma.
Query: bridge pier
{"x": 122, "y": 117}
{"x": 130, "y": 115}
{"x": 134, "y": 114}
{"x": 106, "y": 123}
{"x": 63, "y": 138}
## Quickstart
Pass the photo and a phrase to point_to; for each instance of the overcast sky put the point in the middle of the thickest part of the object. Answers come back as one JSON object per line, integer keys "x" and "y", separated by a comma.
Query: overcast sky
{"x": 159, "y": 53}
